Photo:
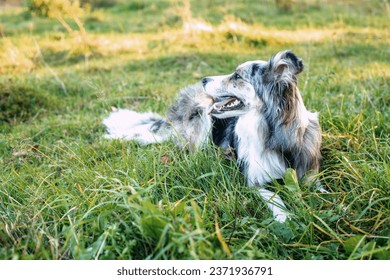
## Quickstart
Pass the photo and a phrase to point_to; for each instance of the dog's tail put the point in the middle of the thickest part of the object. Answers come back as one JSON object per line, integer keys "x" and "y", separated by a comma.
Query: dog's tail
{"x": 145, "y": 128}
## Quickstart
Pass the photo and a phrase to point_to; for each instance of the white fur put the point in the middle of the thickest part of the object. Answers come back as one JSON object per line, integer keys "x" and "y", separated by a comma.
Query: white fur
{"x": 215, "y": 83}
{"x": 275, "y": 204}
{"x": 130, "y": 125}
{"x": 263, "y": 165}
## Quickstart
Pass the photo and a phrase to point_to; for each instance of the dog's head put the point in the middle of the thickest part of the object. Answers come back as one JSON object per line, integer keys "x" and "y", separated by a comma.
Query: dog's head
{"x": 256, "y": 84}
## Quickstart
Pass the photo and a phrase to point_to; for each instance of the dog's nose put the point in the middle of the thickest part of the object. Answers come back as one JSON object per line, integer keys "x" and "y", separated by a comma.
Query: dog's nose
{"x": 205, "y": 81}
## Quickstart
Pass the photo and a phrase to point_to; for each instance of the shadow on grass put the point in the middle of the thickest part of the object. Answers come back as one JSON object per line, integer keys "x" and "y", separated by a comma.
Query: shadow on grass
{"x": 21, "y": 102}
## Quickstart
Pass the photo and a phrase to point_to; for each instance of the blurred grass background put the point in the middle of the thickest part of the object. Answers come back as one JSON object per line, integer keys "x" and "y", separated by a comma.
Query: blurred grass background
{"x": 66, "y": 193}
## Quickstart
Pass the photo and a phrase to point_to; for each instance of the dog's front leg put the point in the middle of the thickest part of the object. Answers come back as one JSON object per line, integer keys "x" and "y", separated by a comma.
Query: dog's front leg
{"x": 275, "y": 204}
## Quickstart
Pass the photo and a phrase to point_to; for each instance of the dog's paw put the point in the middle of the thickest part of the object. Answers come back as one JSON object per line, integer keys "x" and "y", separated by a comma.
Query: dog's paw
{"x": 281, "y": 216}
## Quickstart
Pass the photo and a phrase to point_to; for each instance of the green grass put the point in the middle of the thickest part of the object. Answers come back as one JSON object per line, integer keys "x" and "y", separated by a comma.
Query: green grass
{"x": 66, "y": 193}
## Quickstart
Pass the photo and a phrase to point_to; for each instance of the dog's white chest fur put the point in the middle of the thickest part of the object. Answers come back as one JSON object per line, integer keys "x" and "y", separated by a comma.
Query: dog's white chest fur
{"x": 261, "y": 164}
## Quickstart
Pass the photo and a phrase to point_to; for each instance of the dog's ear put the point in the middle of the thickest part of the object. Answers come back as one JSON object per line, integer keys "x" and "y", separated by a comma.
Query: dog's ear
{"x": 285, "y": 62}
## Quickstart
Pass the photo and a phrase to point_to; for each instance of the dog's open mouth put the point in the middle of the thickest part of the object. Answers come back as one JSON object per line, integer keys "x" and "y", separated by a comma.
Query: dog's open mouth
{"x": 226, "y": 103}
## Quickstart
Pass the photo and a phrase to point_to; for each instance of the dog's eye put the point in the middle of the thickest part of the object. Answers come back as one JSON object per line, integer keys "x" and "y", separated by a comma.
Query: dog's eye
{"x": 236, "y": 76}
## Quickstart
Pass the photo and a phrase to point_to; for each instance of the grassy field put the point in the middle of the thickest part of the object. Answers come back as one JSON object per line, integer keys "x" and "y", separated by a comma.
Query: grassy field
{"x": 66, "y": 193}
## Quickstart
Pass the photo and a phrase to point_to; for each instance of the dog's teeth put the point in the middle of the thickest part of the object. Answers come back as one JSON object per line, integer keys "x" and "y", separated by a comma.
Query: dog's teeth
{"x": 228, "y": 105}
{"x": 234, "y": 103}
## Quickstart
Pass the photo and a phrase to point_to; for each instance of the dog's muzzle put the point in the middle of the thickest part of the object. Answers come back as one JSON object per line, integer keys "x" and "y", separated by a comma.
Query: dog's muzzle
{"x": 205, "y": 81}
{"x": 226, "y": 103}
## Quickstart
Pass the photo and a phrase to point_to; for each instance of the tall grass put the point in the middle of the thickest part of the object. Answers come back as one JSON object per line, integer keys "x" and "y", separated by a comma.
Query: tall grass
{"x": 66, "y": 193}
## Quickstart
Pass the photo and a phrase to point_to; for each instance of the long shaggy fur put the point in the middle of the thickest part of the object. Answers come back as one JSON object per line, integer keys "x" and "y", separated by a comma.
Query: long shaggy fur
{"x": 257, "y": 112}
{"x": 187, "y": 122}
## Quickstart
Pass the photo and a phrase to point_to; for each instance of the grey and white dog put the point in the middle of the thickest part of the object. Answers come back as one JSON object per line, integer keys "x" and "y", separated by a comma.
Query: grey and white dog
{"x": 257, "y": 112}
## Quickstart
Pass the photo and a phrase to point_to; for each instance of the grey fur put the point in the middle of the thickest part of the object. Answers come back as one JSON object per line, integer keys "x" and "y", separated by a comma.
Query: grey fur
{"x": 191, "y": 123}
{"x": 278, "y": 90}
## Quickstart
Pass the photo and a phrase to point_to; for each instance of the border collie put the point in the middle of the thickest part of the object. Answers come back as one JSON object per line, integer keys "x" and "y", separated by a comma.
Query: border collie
{"x": 256, "y": 112}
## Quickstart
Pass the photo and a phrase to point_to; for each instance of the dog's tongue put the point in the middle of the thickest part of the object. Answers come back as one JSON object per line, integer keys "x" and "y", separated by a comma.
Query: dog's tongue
{"x": 219, "y": 105}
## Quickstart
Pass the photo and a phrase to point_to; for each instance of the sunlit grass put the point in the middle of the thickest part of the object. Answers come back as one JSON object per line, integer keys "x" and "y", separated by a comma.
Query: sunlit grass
{"x": 66, "y": 193}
